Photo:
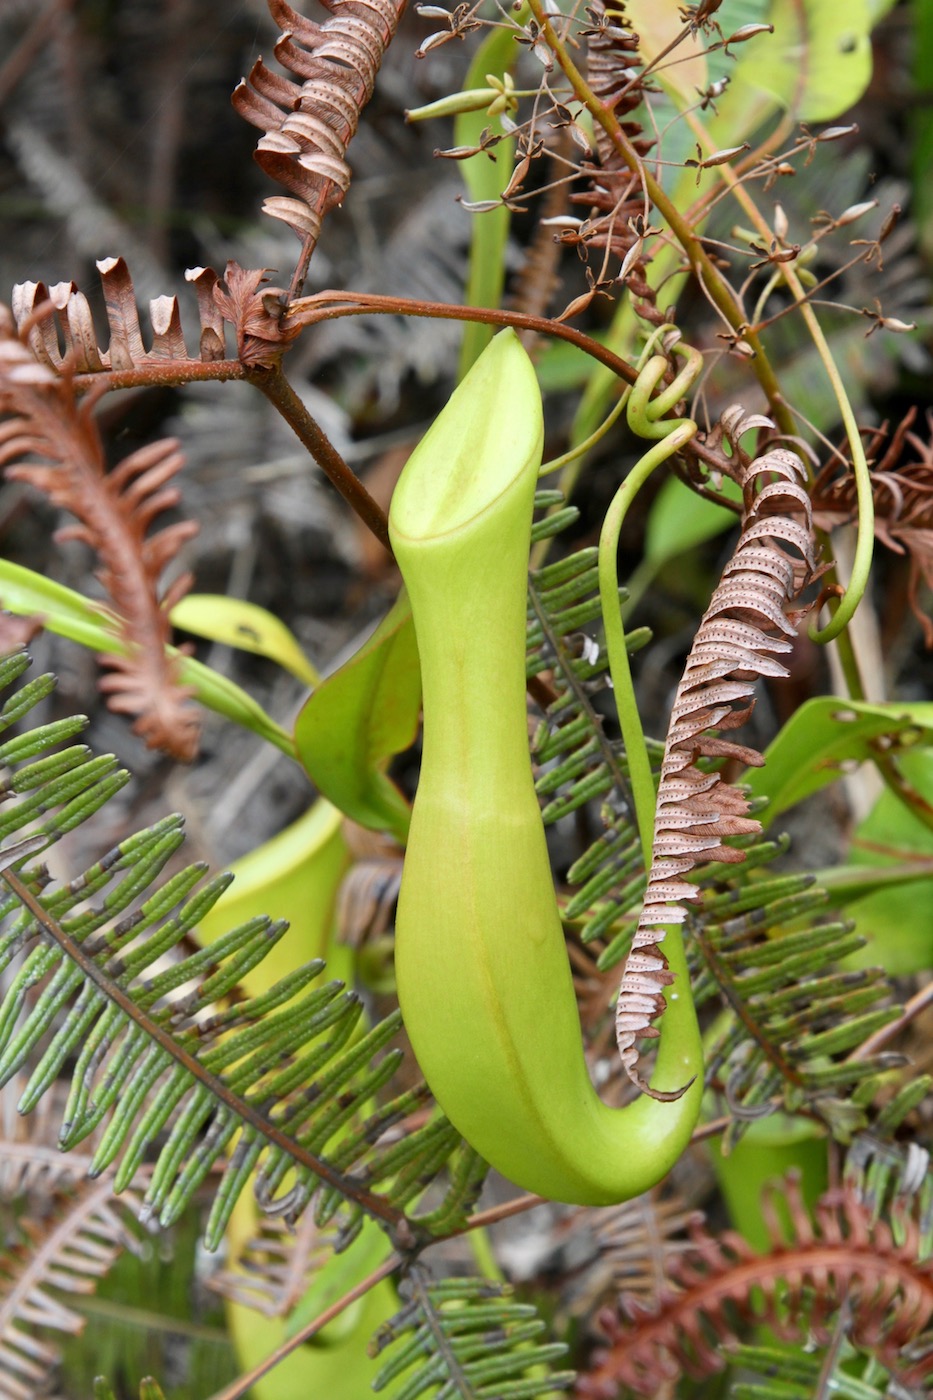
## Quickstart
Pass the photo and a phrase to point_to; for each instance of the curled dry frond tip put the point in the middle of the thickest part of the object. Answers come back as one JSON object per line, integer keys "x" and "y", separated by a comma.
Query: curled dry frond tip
{"x": 308, "y": 124}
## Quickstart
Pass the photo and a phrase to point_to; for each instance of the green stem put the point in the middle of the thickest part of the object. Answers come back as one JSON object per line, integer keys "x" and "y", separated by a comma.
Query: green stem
{"x": 707, "y": 274}
{"x": 865, "y": 538}
{"x": 646, "y": 408}
{"x": 865, "y": 527}
{"x": 633, "y": 736}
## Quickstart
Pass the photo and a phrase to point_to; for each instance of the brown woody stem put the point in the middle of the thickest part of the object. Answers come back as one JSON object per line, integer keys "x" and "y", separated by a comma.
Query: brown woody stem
{"x": 282, "y": 396}
{"x": 327, "y": 306}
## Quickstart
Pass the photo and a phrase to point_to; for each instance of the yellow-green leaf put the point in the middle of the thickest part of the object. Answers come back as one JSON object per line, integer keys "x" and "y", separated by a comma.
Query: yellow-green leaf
{"x": 69, "y": 614}
{"x": 815, "y": 65}
{"x": 359, "y": 718}
{"x": 658, "y": 23}
{"x": 822, "y": 736}
{"x": 247, "y": 626}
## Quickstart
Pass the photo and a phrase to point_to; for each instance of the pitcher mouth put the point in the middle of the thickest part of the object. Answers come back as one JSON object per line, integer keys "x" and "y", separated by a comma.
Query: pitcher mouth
{"x": 492, "y": 421}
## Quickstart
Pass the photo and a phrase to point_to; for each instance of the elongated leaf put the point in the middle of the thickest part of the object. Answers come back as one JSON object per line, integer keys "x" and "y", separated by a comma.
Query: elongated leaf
{"x": 822, "y": 736}
{"x": 244, "y": 625}
{"x": 816, "y": 65}
{"x": 70, "y": 614}
{"x": 485, "y": 179}
{"x": 895, "y": 921}
{"x": 63, "y": 611}
{"x": 359, "y": 718}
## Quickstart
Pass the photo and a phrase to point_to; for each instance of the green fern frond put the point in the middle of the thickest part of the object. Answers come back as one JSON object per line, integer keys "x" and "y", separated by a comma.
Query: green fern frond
{"x": 157, "y": 1058}
{"x": 795, "y": 1017}
{"x": 149, "y": 1389}
{"x": 467, "y": 1338}
{"x": 578, "y": 760}
{"x": 788, "y": 1373}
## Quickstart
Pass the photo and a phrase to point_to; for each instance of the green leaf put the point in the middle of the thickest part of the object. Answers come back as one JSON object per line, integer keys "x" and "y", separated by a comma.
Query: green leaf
{"x": 70, "y": 614}
{"x": 359, "y": 718}
{"x": 896, "y": 921}
{"x": 244, "y": 625}
{"x": 295, "y": 876}
{"x": 226, "y": 698}
{"x": 63, "y": 611}
{"x": 485, "y": 179}
{"x": 821, "y": 737}
{"x": 816, "y": 64}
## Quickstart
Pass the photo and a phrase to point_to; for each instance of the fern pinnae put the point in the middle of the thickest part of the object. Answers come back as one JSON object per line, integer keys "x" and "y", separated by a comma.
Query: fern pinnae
{"x": 742, "y": 633}
{"x": 187, "y": 1075}
{"x": 441, "y": 1338}
{"x": 70, "y": 1253}
{"x": 797, "y": 1021}
{"x": 307, "y": 125}
{"x": 58, "y": 326}
{"x": 113, "y": 512}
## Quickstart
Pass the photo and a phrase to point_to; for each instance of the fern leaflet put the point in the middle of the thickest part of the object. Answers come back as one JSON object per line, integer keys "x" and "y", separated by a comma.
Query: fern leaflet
{"x": 466, "y": 1338}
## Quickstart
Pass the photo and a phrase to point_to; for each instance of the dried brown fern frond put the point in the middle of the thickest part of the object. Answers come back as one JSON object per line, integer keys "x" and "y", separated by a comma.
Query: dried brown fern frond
{"x": 307, "y": 125}
{"x": 68, "y": 1252}
{"x": 745, "y": 629}
{"x": 614, "y": 197}
{"x": 843, "y": 1262}
{"x": 636, "y": 1242}
{"x": 902, "y": 488}
{"x": 275, "y": 1268}
{"x": 59, "y": 327}
{"x": 42, "y": 417}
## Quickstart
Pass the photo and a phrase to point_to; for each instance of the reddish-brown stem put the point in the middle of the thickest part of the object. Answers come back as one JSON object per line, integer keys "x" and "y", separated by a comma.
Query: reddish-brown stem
{"x": 517, "y": 1206}
{"x": 885, "y": 1034}
{"x": 245, "y": 1383}
{"x": 166, "y": 374}
{"x": 327, "y": 306}
{"x": 282, "y": 396}
{"x": 279, "y": 392}
{"x": 301, "y": 268}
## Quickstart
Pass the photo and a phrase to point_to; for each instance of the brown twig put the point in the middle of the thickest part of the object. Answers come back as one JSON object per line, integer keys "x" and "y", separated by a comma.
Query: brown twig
{"x": 282, "y": 396}
{"x": 885, "y": 1034}
{"x": 329, "y": 305}
{"x": 244, "y": 1383}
